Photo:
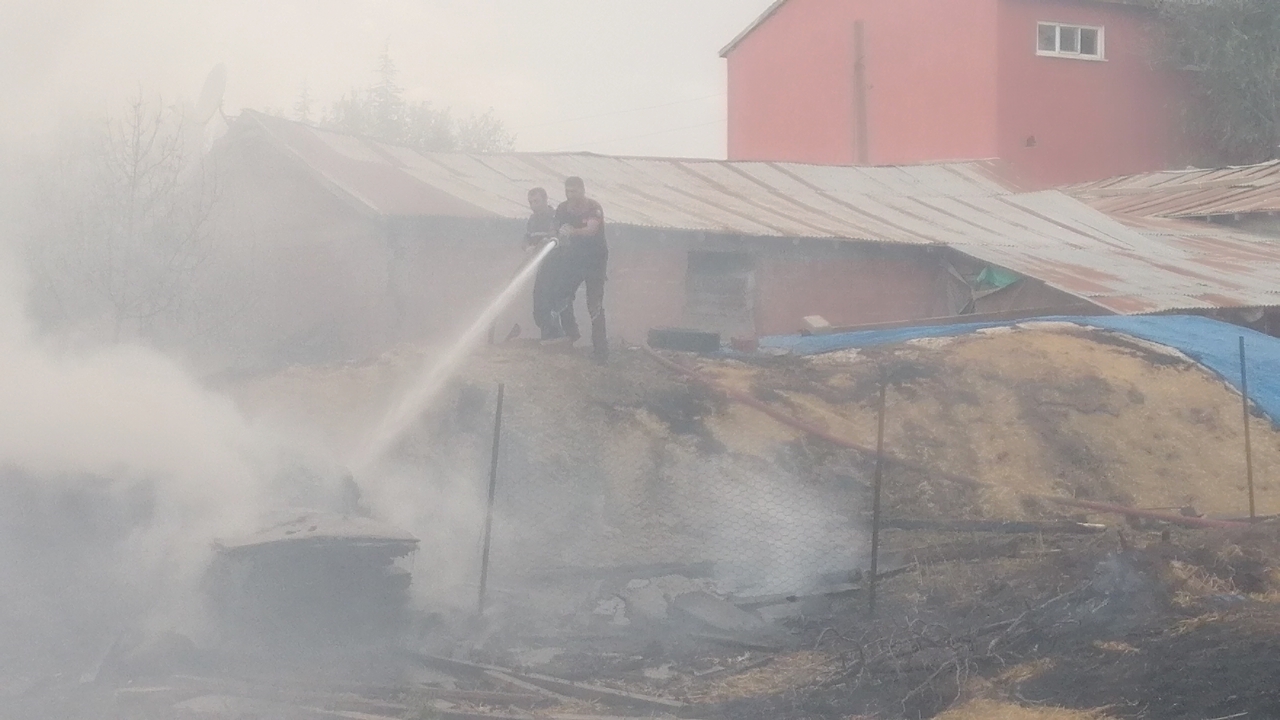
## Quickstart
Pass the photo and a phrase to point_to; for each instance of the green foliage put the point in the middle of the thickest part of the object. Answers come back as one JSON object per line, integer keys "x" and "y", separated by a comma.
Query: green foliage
{"x": 381, "y": 112}
{"x": 1233, "y": 49}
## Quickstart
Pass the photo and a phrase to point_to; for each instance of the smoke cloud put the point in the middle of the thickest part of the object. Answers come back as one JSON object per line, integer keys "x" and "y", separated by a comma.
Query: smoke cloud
{"x": 118, "y": 471}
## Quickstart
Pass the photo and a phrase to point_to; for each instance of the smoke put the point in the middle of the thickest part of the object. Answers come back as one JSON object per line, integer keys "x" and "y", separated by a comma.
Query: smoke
{"x": 118, "y": 471}
{"x": 443, "y": 507}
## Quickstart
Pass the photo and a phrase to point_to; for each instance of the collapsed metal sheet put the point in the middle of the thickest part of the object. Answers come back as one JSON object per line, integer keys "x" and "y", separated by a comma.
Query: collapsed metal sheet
{"x": 1187, "y": 193}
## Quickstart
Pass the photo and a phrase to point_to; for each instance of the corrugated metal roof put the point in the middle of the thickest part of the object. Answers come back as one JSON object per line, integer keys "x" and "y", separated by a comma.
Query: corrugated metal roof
{"x": 1187, "y": 193}
{"x": 1156, "y": 267}
{"x": 1165, "y": 265}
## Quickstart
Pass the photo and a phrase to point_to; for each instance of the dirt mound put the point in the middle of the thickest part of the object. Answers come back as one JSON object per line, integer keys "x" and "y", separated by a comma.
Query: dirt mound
{"x": 621, "y": 466}
{"x": 631, "y": 465}
{"x": 1028, "y": 412}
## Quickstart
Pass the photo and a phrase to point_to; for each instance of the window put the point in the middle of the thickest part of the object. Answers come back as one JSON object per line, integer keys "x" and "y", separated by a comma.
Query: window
{"x": 719, "y": 291}
{"x": 1071, "y": 41}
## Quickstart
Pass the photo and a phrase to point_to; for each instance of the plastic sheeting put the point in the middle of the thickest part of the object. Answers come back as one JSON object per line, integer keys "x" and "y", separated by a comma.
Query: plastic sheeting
{"x": 1213, "y": 344}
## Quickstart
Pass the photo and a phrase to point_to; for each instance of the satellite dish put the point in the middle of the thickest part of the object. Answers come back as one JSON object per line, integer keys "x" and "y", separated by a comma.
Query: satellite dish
{"x": 210, "y": 100}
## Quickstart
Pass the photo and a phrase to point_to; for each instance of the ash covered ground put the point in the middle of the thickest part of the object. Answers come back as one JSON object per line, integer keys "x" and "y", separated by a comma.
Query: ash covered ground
{"x": 661, "y": 551}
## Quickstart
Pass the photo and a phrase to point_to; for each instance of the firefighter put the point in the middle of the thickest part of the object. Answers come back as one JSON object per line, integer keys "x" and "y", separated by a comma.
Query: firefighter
{"x": 549, "y": 300}
{"x": 580, "y": 223}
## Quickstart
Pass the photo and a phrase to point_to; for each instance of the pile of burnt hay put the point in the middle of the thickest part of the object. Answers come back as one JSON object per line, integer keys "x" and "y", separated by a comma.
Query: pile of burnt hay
{"x": 1029, "y": 412}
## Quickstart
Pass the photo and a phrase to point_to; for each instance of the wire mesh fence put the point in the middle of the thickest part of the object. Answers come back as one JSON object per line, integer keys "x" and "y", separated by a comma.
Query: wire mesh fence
{"x": 626, "y": 489}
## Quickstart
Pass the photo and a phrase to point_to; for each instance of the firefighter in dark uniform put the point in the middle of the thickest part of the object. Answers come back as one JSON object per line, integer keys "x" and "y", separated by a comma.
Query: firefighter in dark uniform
{"x": 580, "y": 223}
{"x": 549, "y": 300}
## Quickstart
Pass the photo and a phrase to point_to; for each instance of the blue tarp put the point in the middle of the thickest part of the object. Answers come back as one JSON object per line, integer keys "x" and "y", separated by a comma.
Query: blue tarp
{"x": 1214, "y": 344}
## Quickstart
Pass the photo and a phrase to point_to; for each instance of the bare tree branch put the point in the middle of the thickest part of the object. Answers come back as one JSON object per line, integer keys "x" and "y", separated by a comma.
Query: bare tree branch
{"x": 129, "y": 222}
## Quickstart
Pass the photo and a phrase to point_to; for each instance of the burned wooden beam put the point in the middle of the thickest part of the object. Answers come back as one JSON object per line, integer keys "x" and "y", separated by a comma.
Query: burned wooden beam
{"x": 1012, "y": 527}
{"x": 570, "y": 688}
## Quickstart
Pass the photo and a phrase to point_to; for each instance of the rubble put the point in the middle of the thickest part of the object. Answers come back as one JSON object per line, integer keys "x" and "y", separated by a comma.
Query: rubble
{"x": 719, "y": 614}
{"x": 614, "y": 608}
{"x": 311, "y": 580}
{"x": 645, "y": 600}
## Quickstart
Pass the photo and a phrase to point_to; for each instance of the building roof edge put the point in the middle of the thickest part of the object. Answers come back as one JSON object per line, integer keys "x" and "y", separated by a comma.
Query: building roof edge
{"x": 764, "y": 16}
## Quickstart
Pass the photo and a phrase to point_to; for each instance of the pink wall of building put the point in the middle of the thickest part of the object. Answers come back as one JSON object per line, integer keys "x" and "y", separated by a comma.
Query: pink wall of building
{"x": 956, "y": 80}
{"x": 790, "y": 86}
{"x": 1089, "y": 119}
{"x": 862, "y": 284}
{"x": 792, "y": 82}
{"x": 931, "y": 76}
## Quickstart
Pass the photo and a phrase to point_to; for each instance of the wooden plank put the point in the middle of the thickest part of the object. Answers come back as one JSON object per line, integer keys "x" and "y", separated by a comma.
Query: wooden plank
{"x": 738, "y": 643}
{"x": 599, "y": 693}
{"x": 574, "y": 689}
{"x": 461, "y": 666}
{"x": 445, "y": 714}
{"x": 540, "y": 692}
{"x": 488, "y": 697}
{"x": 1013, "y": 527}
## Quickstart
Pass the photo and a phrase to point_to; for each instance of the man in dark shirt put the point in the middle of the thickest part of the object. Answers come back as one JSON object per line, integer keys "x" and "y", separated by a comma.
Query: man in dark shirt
{"x": 581, "y": 231}
{"x": 549, "y": 301}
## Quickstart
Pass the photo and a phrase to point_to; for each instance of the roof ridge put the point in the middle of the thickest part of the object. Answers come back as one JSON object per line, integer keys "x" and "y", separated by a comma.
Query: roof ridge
{"x": 764, "y": 16}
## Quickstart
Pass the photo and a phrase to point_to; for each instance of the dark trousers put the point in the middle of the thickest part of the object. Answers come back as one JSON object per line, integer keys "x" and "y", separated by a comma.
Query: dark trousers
{"x": 586, "y": 266}
{"x": 552, "y": 307}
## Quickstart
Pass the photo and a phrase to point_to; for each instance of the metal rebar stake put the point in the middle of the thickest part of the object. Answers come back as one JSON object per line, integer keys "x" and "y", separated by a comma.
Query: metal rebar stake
{"x": 875, "y": 503}
{"x": 1248, "y": 448}
{"x": 493, "y": 485}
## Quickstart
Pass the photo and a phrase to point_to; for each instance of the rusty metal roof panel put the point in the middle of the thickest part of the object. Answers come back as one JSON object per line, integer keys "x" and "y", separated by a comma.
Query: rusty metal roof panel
{"x": 1187, "y": 193}
{"x": 1140, "y": 266}
{"x": 1124, "y": 265}
{"x": 1174, "y": 266}
{"x": 368, "y": 173}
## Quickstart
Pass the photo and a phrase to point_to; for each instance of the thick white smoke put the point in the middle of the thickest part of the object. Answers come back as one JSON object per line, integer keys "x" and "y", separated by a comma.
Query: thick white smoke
{"x": 118, "y": 471}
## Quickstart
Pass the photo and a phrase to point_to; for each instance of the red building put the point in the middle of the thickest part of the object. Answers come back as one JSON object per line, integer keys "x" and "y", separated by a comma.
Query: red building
{"x": 1060, "y": 91}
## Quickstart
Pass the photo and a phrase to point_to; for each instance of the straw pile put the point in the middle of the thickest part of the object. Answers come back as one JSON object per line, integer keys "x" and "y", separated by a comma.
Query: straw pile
{"x": 1029, "y": 412}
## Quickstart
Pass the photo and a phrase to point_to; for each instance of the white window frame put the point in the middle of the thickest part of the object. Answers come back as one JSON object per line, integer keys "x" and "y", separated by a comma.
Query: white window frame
{"x": 1057, "y": 29}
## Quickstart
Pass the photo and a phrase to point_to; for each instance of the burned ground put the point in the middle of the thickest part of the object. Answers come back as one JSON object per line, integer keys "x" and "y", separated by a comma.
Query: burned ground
{"x": 661, "y": 550}
{"x": 1141, "y": 632}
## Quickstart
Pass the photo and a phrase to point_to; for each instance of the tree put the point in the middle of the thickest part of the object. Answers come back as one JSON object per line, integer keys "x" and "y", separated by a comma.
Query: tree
{"x": 1233, "y": 49}
{"x": 124, "y": 223}
{"x": 381, "y": 112}
{"x": 484, "y": 133}
{"x": 302, "y": 106}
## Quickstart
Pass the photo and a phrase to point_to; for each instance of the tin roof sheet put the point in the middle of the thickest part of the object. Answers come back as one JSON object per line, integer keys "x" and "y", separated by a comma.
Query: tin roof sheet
{"x": 1151, "y": 267}
{"x": 1187, "y": 193}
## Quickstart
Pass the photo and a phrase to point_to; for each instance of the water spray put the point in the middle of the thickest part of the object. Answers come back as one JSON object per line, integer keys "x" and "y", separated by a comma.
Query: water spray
{"x": 436, "y": 373}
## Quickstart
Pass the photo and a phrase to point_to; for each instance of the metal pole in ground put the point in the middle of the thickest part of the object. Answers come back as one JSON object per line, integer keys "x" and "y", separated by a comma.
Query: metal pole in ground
{"x": 875, "y": 502}
{"x": 1248, "y": 449}
{"x": 493, "y": 485}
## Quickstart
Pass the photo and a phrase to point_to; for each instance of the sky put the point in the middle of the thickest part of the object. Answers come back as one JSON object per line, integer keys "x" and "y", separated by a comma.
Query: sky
{"x": 609, "y": 76}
